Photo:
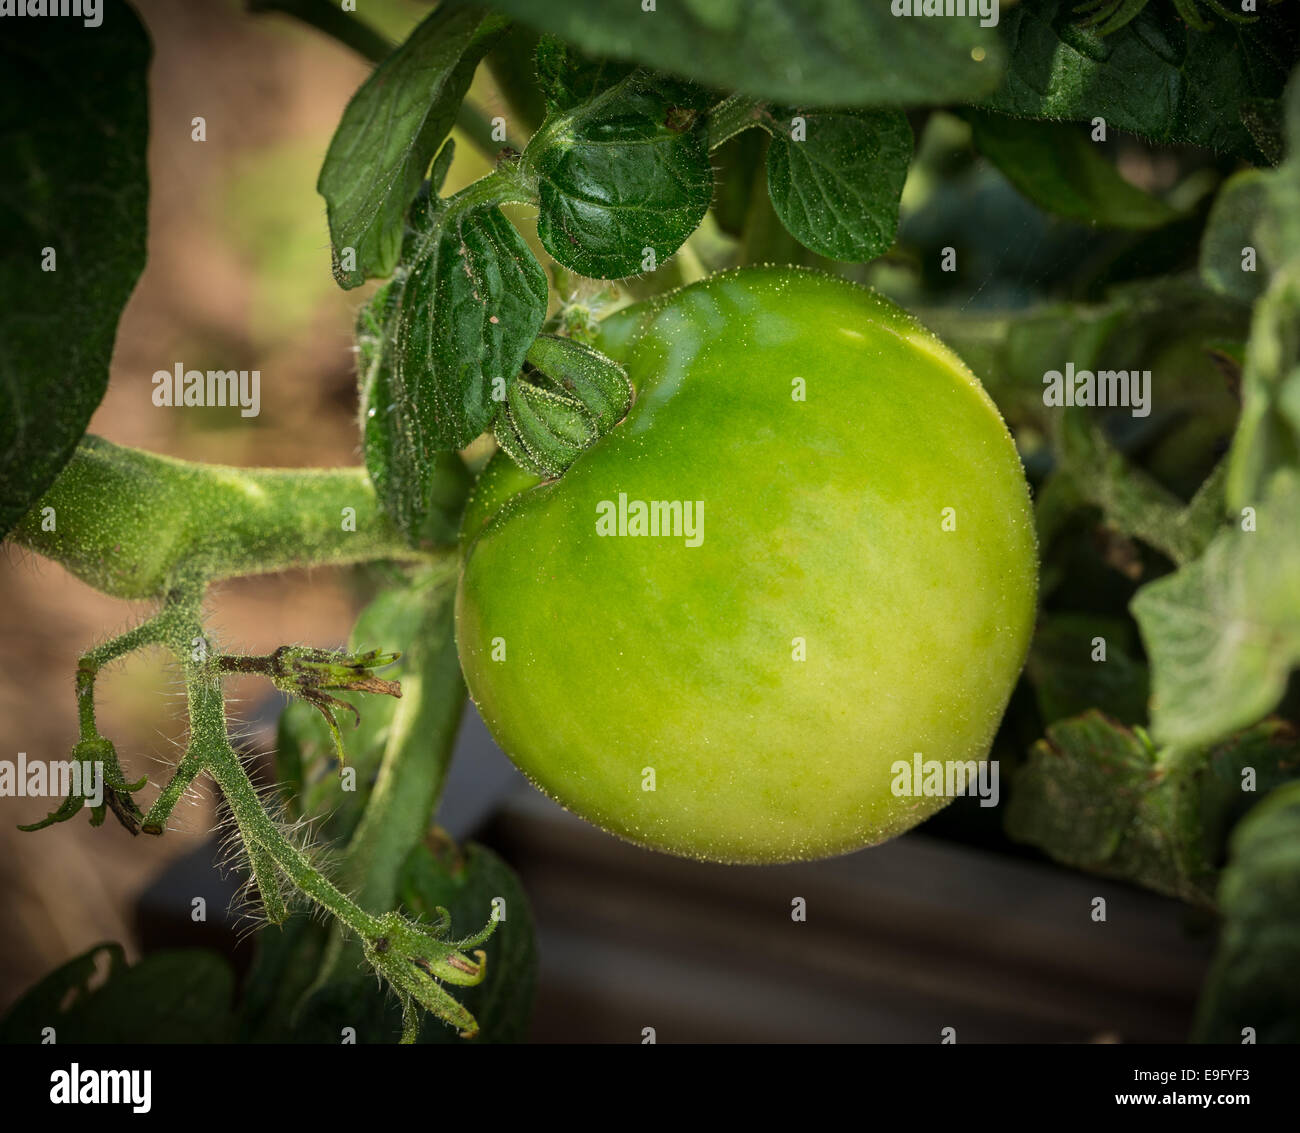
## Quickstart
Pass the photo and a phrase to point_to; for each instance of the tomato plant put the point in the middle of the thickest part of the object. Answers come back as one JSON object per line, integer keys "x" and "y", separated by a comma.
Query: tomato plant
{"x": 813, "y": 412}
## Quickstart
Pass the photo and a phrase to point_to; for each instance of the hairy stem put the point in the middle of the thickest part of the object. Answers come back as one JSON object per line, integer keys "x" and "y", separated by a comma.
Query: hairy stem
{"x": 150, "y": 632}
{"x": 258, "y": 829}
{"x": 187, "y": 770}
{"x": 141, "y": 526}
{"x": 732, "y": 116}
{"x": 136, "y": 525}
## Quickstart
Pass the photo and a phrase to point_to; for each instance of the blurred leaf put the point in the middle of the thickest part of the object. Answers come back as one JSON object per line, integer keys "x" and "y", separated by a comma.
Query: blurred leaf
{"x": 1268, "y": 436}
{"x": 510, "y": 62}
{"x": 401, "y": 618}
{"x": 1253, "y": 982}
{"x": 1095, "y": 795}
{"x": 738, "y": 162}
{"x": 168, "y": 997}
{"x": 1156, "y": 76}
{"x": 1133, "y": 328}
{"x": 73, "y": 129}
{"x": 1270, "y": 752}
{"x": 822, "y": 51}
{"x": 625, "y": 171}
{"x": 1130, "y": 499}
{"x": 1223, "y": 633}
{"x": 1067, "y": 680}
{"x": 417, "y": 747}
{"x": 47, "y": 1001}
{"x": 358, "y": 1004}
{"x": 1056, "y": 166}
{"x": 391, "y": 128}
{"x": 286, "y": 960}
{"x": 1229, "y": 231}
{"x": 1267, "y": 440}
{"x": 837, "y": 190}
{"x": 466, "y": 885}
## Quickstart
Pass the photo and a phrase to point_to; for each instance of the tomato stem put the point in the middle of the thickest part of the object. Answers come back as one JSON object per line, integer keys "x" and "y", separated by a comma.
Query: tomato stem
{"x": 137, "y": 525}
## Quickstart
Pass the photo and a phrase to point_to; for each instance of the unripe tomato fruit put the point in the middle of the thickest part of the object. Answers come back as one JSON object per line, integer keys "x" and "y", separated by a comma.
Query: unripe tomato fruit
{"x": 744, "y": 699}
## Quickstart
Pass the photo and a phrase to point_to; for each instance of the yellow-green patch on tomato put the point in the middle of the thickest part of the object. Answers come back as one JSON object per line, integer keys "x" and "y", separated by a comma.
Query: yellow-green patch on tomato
{"x": 848, "y": 577}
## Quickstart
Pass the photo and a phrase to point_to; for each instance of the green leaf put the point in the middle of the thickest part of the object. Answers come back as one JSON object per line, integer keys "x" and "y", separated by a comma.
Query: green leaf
{"x": 1057, "y": 167}
{"x": 1229, "y": 232}
{"x": 822, "y": 51}
{"x": 435, "y": 348}
{"x": 837, "y": 190}
{"x": 1156, "y": 76}
{"x": 73, "y": 131}
{"x": 622, "y": 174}
{"x": 1253, "y": 982}
{"x": 596, "y": 382}
{"x": 1077, "y": 794}
{"x": 433, "y": 502}
{"x": 567, "y": 77}
{"x": 358, "y": 1003}
{"x": 471, "y": 307}
{"x": 391, "y": 128}
{"x": 181, "y": 996}
{"x": 1068, "y": 681}
{"x": 1240, "y": 771}
{"x": 1095, "y": 795}
{"x": 467, "y": 885}
{"x": 1263, "y": 117}
{"x": 1223, "y": 633}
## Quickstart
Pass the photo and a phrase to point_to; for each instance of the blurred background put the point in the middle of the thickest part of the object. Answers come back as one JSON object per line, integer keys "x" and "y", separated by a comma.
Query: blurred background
{"x": 949, "y": 926}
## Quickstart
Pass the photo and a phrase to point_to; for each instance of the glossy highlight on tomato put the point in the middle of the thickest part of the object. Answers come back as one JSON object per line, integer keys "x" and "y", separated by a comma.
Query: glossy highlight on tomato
{"x": 844, "y": 575}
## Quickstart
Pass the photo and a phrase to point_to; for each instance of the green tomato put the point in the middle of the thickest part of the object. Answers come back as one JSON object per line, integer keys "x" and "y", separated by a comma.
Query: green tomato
{"x": 844, "y": 575}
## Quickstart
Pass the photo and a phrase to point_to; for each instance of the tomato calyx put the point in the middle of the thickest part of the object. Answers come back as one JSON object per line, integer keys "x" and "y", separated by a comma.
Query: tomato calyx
{"x": 567, "y": 398}
{"x": 306, "y": 673}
